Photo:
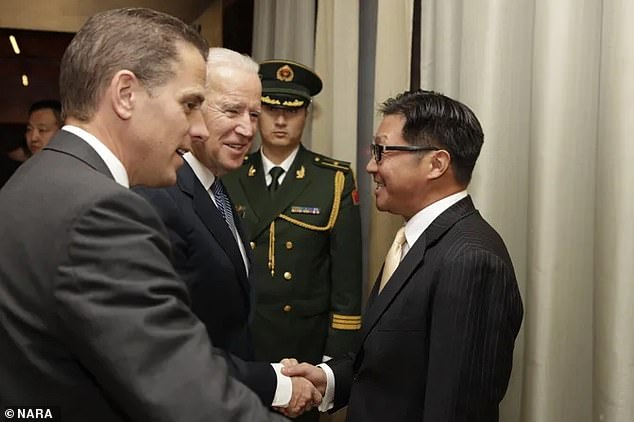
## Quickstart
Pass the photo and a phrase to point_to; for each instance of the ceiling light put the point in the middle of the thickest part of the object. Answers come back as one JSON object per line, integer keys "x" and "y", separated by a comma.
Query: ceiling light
{"x": 25, "y": 80}
{"x": 14, "y": 44}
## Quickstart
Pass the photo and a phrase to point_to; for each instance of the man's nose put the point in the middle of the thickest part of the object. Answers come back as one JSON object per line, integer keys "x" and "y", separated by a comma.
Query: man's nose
{"x": 246, "y": 127}
{"x": 198, "y": 131}
{"x": 372, "y": 166}
{"x": 280, "y": 119}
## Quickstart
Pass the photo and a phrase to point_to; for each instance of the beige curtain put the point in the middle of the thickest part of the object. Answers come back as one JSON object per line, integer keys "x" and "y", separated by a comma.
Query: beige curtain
{"x": 553, "y": 85}
{"x": 392, "y": 75}
{"x": 285, "y": 29}
{"x": 613, "y": 360}
{"x": 336, "y": 61}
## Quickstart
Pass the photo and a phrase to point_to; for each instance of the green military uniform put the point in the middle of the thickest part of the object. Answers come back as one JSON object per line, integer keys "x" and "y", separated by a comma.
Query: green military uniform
{"x": 306, "y": 243}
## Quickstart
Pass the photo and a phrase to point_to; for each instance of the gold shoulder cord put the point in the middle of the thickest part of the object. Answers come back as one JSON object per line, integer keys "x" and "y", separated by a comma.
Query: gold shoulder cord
{"x": 336, "y": 203}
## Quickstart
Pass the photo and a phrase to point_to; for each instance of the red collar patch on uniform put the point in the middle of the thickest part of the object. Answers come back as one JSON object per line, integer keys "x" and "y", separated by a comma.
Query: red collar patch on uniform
{"x": 355, "y": 197}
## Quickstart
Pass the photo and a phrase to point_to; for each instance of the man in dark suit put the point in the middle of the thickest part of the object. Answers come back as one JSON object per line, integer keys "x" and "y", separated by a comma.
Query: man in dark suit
{"x": 305, "y": 228}
{"x": 93, "y": 317}
{"x": 442, "y": 318}
{"x": 210, "y": 252}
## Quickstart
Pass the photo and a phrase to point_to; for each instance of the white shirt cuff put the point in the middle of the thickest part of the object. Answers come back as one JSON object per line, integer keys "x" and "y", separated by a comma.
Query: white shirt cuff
{"x": 328, "y": 401}
{"x": 284, "y": 389}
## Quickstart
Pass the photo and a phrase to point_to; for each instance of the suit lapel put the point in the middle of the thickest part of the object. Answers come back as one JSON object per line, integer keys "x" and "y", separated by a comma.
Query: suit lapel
{"x": 213, "y": 220}
{"x": 255, "y": 187}
{"x": 379, "y": 303}
{"x": 71, "y": 144}
{"x": 290, "y": 189}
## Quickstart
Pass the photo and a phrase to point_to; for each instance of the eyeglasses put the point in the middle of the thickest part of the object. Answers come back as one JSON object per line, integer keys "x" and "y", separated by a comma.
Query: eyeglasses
{"x": 379, "y": 149}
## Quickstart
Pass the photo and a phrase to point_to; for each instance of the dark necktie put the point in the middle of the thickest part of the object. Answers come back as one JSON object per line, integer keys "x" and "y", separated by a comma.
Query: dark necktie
{"x": 222, "y": 202}
{"x": 275, "y": 173}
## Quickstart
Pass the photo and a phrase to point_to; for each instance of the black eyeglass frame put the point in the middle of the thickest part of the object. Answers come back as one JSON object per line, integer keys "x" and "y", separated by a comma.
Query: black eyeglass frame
{"x": 378, "y": 150}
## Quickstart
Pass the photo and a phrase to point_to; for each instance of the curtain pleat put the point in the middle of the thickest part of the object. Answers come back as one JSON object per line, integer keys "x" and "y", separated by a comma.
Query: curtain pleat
{"x": 553, "y": 84}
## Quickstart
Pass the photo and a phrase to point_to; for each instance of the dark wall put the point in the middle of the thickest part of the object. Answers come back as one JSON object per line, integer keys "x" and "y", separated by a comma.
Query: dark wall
{"x": 237, "y": 25}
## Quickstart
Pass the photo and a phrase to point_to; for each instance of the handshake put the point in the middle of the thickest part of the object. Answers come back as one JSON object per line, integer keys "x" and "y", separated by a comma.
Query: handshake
{"x": 309, "y": 387}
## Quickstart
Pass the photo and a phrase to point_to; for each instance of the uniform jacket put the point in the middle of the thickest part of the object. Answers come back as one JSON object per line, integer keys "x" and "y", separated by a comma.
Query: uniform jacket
{"x": 93, "y": 318}
{"x": 207, "y": 257}
{"x": 437, "y": 342}
{"x": 306, "y": 245}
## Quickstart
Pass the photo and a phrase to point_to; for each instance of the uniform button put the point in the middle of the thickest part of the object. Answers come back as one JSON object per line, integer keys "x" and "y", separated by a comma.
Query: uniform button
{"x": 287, "y": 308}
{"x": 289, "y": 244}
{"x": 252, "y": 244}
{"x": 287, "y": 275}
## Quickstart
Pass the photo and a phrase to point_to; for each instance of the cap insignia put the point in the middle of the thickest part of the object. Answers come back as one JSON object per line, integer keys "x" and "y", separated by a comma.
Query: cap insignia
{"x": 294, "y": 103}
{"x": 271, "y": 101}
{"x": 285, "y": 73}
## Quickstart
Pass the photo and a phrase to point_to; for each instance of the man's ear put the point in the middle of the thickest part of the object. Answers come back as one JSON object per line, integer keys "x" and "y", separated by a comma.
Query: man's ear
{"x": 123, "y": 93}
{"x": 440, "y": 162}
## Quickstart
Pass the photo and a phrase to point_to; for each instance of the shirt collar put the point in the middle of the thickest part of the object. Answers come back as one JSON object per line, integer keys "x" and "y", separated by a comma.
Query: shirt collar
{"x": 115, "y": 166}
{"x": 204, "y": 175}
{"x": 423, "y": 218}
{"x": 267, "y": 164}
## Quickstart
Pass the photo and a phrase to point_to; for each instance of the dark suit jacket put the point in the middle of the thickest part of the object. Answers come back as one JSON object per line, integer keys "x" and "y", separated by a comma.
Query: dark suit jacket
{"x": 437, "y": 342}
{"x": 93, "y": 318}
{"x": 207, "y": 257}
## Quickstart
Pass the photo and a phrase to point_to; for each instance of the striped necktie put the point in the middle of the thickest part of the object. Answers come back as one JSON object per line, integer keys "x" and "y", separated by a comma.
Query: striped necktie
{"x": 222, "y": 202}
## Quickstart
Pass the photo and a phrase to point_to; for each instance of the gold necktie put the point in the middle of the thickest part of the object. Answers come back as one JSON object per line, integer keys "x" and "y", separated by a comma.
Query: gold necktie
{"x": 393, "y": 257}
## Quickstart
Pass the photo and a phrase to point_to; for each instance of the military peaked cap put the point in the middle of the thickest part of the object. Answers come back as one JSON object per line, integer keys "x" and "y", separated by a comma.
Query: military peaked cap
{"x": 288, "y": 84}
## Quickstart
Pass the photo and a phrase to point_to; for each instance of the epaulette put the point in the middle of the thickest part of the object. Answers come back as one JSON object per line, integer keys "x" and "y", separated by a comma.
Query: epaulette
{"x": 331, "y": 163}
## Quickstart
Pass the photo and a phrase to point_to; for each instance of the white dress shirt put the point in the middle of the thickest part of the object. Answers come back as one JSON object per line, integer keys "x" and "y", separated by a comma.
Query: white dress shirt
{"x": 267, "y": 165}
{"x": 284, "y": 389}
{"x": 112, "y": 162}
{"x": 207, "y": 178}
{"x": 414, "y": 227}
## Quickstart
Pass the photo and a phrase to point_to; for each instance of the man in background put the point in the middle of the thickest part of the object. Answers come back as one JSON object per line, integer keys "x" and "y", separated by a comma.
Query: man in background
{"x": 441, "y": 321}
{"x": 211, "y": 252}
{"x": 301, "y": 210}
{"x": 93, "y": 317}
{"x": 45, "y": 119}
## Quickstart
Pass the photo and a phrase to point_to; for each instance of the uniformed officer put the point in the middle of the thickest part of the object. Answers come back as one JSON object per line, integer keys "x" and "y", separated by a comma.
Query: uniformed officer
{"x": 302, "y": 211}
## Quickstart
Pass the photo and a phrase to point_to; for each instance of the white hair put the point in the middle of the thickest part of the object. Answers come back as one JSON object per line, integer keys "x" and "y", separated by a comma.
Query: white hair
{"x": 223, "y": 57}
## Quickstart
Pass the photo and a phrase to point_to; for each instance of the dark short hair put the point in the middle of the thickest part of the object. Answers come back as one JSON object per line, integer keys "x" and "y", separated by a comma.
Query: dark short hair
{"x": 433, "y": 119}
{"x": 140, "y": 40}
{"x": 54, "y": 105}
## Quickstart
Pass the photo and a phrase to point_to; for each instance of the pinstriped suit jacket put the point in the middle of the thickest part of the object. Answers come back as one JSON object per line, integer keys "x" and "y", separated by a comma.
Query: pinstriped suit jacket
{"x": 437, "y": 343}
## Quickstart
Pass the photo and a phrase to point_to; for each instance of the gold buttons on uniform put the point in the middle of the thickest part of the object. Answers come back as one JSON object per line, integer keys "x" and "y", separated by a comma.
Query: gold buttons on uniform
{"x": 289, "y": 244}
{"x": 252, "y": 244}
{"x": 287, "y": 308}
{"x": 287, "y": 275}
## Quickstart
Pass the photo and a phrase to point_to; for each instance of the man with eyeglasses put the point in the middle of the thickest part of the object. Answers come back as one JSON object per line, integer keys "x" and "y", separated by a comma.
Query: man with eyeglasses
{"x": 441, "y": 321}
{"x": 302, "y": 211}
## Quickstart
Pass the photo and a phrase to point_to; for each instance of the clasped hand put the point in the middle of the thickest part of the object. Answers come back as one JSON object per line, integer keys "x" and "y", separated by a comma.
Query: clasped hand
{"x": 309, "y": 386}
